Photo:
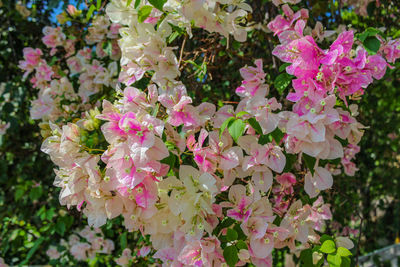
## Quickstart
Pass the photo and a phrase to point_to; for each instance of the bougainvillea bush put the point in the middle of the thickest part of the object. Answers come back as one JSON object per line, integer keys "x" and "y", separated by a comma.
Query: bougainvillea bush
{"x": 177, "y": 126}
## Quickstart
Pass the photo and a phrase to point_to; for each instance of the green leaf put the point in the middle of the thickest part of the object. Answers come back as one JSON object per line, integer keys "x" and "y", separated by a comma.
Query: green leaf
{"x": 372, "y": 44}
{"x": 158, "y": 4}
{"x": 290, "y": 160}
{"x": 325, "y": 237}
{"x": 334, "y": 260}
{"x": 241, "y": 245}
{"x": 35, "y": 193}
{"x": 226, "y": 222}
{"x": 344, "y": 252}
{"x": 98, "y": 5}
{"x": 49, "y": 214}
{"x": 231, "y": 255}
{"x": 137, "y": 3}
{"x": 68, "y": 221}
{"x": 60, "y": 227}
{"x": 346, "y": 262}
{"x": 61, "y": 73}
{"x": 316, "y": 248}
{"x": 264, "y": 139}
{"x": 310, "y": 162}
{"x": 129, "y": 2}
{"x": 235, "y": 45}
{"x": 170, "y": 160}
{"x": 33, "y": 250}
{"x": 144, "y": 13}
{"x": 42, "y": 213}
{"x": 90, "y": 12}
{"x": 306, "y": 257}
{"x": 282, "y": 81}
{"x": 283, "y": 67}
{"x": 277, "y": 134}
{"x": 173, "y": 36}
{"x": 241, "y": 114}
{"x": 236, "y": 129}
{"x": 396, "y": 34}
{"x": 231, "y": 234}
{"x": 328, "y": 247}
{"x": 367, "y": 33}
{"x": 19, "y": 193}
{"x": 53, "y": 60}
{"x": 241, "y": 234}
{"x": 223, "y": 240}
{"x": 107, "y": 47}
{"x": 123, "y": 240}
{"x": 170, "y": 145}
{"x": 256, "y": 126}
{"x": 225, "y": 125}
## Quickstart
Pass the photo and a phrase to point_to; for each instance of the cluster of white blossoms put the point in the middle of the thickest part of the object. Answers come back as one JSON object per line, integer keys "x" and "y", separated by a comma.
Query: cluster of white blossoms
{"x": 83, "y": 245}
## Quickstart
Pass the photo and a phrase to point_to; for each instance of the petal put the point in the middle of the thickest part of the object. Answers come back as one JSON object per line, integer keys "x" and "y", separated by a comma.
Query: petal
{"x": 323, "y": 178}
{"x": 276, "y": 160}
{"x": 262, "y": 180}
{"x": 231, "y": 158}
{"x": 113, "y": 207}
{"x": 309, "y": 187}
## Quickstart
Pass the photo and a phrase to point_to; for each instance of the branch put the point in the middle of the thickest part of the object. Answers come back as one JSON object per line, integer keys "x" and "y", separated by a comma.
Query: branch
{"x": 358, "y": 241}
{"x": 182, "y": 47}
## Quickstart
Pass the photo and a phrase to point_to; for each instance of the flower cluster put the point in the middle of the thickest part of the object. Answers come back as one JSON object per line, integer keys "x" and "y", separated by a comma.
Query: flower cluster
{"x": 338, "y": 70}
{"x": 144, "y": 47}
{"x": 103, "y": 34}
{"x": 202, "y": 182}
{"x": 57, "y": 96}
{"x": 390, "y": 49}
{"x": 350, "y": 230}
{"x": 126, "y": 256}
{"x": 317, "y": 123}
{"x": 83, "y": 245}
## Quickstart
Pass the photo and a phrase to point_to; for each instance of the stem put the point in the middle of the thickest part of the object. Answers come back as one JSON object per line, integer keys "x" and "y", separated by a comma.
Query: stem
{"x": 92, "y": 149}
{"x": 181, "y": 52}
{"x": 230, "y": 102}
{"x": 269, "y": 192}
{"x": 358, "y": 241}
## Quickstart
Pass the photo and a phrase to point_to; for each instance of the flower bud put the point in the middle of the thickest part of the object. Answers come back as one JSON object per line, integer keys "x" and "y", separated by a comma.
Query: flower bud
{"x": 89, "y": 125}
{"x": 316, "y": 257}
{"x": 243, "y": 254}
{"x": 45, "y": 130}
{"x": 73, "y": 11}
{"x": 62, "y": 213}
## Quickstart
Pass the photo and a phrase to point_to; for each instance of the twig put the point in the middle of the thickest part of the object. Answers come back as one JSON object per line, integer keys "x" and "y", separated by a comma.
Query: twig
{"x": 358, "y": 242}
{"x": 182, "y": 47}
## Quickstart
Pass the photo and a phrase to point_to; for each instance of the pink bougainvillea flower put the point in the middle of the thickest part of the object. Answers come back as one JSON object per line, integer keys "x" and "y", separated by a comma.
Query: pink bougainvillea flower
{"x": 321, "y": 180}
